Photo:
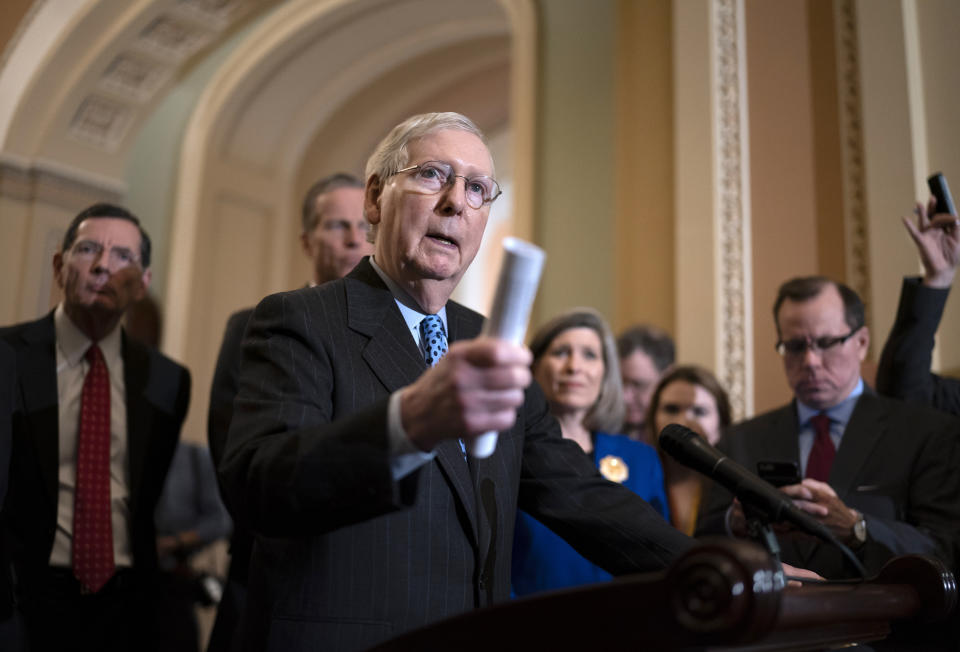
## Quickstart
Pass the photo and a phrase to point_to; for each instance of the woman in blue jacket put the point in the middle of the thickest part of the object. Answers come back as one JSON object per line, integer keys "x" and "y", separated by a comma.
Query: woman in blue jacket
{"x": 575, "y": 362}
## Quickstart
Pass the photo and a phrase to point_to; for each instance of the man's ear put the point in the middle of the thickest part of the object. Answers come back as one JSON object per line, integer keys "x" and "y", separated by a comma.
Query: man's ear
{"x": 371, "y": 199}
{"x": 145, "y": 279}
{"x": 57, "y": 268}
{"x": 863, "y": 339}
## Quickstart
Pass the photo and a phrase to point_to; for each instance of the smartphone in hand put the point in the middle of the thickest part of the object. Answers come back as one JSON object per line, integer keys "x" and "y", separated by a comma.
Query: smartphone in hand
{"x": 941, "y": 192}
{"x": 779, "y": 474}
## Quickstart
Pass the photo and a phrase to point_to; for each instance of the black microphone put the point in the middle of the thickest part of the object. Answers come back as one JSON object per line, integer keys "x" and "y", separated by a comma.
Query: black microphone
{"x": 692, "y": 450}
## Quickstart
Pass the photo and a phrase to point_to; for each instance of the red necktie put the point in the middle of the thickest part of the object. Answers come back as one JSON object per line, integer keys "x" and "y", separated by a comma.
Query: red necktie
{"x": 92, "y": 531}
{"x": 823, "y": 450}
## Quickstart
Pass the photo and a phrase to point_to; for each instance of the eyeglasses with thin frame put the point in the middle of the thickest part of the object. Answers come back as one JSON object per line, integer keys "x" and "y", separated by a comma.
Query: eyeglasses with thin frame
{"x": 822, "y": 345}
{"x": 434, "y": 176}
{"x": 117, "y": 257}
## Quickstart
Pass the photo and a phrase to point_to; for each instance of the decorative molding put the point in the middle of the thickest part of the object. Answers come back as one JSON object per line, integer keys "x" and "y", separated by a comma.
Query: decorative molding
{"x": 169, "y": 38}
{"x": 44, "y": 185}
{"x": 147, "y": 62}
{"x": 134, "y": 77}
{"x": 219, "y": 14}
{"x": 732, "y": 212}
{"x": 101, "y": 122}
{"x": 856, "y": 229}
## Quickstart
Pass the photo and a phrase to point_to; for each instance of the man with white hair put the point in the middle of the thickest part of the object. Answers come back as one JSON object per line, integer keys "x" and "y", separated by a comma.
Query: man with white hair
{"x": 346, "y": 448}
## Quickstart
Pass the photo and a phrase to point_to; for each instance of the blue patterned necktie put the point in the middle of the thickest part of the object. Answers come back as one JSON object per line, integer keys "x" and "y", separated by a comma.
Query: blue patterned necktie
{"x": 433, "y": 339}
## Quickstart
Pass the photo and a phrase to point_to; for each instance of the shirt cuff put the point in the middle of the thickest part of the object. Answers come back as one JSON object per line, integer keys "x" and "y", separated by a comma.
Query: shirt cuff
{"x": 405, "y": 457}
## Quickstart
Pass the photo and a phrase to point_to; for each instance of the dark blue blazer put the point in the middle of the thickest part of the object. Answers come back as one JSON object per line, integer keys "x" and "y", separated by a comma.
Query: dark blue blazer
{"x": 542, "y": 561}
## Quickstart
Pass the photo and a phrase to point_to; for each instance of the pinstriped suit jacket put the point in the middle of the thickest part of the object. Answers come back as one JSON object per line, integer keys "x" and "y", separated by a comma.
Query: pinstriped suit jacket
{"x": 347, "y": 557}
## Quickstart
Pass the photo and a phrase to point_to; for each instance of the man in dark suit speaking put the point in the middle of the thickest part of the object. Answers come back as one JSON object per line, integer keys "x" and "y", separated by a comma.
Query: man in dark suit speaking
{"x": 881, "y": 474}
{"x": 345, "y": 453}
{"x": 98, "y": 424}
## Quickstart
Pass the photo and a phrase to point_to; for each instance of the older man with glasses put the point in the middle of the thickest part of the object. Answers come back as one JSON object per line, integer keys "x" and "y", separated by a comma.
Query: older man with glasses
{"x": 345, "y": 453}
{"x": 880, "y": 474}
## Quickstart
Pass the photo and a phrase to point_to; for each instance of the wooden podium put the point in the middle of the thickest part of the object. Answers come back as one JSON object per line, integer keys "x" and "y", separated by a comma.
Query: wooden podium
{"x": 720, "y": 596}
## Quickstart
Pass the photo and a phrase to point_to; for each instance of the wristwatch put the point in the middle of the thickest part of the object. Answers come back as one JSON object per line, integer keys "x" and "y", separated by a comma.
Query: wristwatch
{"x": 859, "y": 530}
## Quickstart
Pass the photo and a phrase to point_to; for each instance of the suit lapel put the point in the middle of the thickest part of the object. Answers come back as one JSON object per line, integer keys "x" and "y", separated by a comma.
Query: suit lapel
{"x": 463, "y": 324}
{"x": 136, "y": 371}
{"x": 390, "y": 352}
{"x": 863, "y": 431}
{"x": 38, "y": 377}
{"x": 395, "y": 360}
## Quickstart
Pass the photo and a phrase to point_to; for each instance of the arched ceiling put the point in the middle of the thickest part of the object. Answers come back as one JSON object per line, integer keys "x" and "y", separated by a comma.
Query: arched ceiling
{"x": 478, "y": 89}
{"x": 310, "y": 61}
{"x": 80, "y": 76}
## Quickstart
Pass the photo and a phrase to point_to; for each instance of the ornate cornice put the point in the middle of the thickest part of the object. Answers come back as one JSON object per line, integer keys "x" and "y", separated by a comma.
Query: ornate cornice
{"x": 54, "y": 187}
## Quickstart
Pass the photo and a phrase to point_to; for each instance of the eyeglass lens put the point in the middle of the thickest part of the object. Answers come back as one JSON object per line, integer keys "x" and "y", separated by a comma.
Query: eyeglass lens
{"x": 798, "y": 346}
{"x": 435, "y": 175}
{"x": 118, "y": 256}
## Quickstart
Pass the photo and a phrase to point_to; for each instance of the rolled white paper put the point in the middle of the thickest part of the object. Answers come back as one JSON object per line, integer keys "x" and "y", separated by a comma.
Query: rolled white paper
{"x": 512, "y": 301}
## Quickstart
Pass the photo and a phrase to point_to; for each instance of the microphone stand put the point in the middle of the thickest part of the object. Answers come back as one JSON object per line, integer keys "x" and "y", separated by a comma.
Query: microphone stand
{"x": 760, "y": 530}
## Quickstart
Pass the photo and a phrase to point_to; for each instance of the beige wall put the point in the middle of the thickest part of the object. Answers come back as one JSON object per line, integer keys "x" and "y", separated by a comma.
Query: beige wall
{"x": 573, "y": 215}
{"x": 644, "y": 278}
{"x": 782, "y": 183}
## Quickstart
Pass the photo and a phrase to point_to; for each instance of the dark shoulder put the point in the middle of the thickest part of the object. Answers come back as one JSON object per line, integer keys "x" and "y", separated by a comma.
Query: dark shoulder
{"x": 764, "y": 420}
{"x": 159, "y": 364}
{"x": 302, "y": 299}
{"x": 17, "y": 335}
{"x": 238, "y": 320}
{"x": 908, "y": 414}
{"x": 756, "y": 428}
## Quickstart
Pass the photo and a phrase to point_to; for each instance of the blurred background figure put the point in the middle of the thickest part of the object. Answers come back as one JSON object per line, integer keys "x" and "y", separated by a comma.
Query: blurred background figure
{"x": 333, "y": 237}
{"x": 645, "y": 352}
{"x": 10, "y": 636}
{"x": 575, "y": 363}
{"x": 693, "y": 397}
{"x": 190, "y": 517}
{"x": 82, "y": 535}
